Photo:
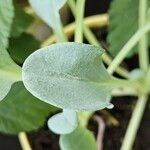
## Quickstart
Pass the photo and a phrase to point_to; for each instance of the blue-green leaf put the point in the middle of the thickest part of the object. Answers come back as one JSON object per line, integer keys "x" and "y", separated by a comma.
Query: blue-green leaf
{"x": 63, "y": 123}
{"x": 80, "y": 139}
{"x": 68, "y": 75}
{"x": 48, "y": 10}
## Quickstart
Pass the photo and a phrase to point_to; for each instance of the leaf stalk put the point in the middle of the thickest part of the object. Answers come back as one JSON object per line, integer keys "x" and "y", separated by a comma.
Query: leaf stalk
{"x": 143, "y": 43}
{"x": 134, "y": 123}
{"x": 128, "y": 47}
{"x": 79, "y": 21}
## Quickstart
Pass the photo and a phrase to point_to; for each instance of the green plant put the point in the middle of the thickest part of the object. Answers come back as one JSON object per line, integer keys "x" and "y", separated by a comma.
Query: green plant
{"x": 19, "y": 107}
{"x": 71, "y": 75}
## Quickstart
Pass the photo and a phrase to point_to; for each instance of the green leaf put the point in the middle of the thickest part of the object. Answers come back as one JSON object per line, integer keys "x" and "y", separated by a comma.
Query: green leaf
{"x": 20, "y": 48}
{"x": 80, "y": 139}
{"x": 123, "y": 16}
{"x": 21, "y": 21}
{"x": 63, "y": 123}
{"x": 9, "y": 73}
{"x": 20, "y": 111}
{"x": 6, "y": 18}
{"x": 68, "y": 75}
{"x": 48, "y": 10}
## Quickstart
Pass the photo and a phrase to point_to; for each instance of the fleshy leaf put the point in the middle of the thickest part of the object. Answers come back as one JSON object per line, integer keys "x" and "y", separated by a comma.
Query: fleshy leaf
{"x": 63, "y": 123}
{"x": 48, "y": 10}
{"x": 20, "y": 111}
{"x": 80, "y": 139}
{"x": 68, "y": 75}
{"x": 123, "y": 18}
{"x": 20, "y": 48}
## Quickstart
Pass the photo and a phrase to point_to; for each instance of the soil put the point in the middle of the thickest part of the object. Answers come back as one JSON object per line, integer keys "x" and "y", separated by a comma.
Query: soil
{"x": 43, "y": 139}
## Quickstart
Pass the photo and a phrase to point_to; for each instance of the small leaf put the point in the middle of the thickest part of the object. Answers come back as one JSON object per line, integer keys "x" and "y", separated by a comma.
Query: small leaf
{"x": 21, "y": 21}
{"x": 20, "y": 111}
{"x": 68, "y": 75}
{"x": 136, "y": 74}
{"x": 63, "y": 123}
{"x": 80, "y": 139}
{"x": 20, "y": 48}
{"x": 48, "y": 10}
{"x": 123, "y": 16}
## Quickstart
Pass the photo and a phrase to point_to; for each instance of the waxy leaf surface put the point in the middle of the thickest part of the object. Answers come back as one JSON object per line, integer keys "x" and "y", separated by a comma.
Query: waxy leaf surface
{"x": 48, "y": 10}
{"x": 63, "y": 123}
{"x": 68, "y": 75}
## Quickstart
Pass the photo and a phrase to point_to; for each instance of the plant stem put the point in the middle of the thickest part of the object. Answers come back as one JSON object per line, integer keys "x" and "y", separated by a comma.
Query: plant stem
{"x": 124, "y": 92}
{"x": 58, "y": 30}
{"x": 96, "y": 21}
{"x": 79, "y": 21}
{"x": 143, "y": 44}
{"x": 148, "y": 79}
{"x": 127, "y": 47}
{"x": 134, "y": 123}
{"x": 84, "y": 117}
{"x": 107, "y": 59}
{"x": 123, "y": 83}
{"x": 72, "y": 6}
{"x": 141, "y": 103}
{"x": 24, "y": 141}
{"x": 99, "y": 21}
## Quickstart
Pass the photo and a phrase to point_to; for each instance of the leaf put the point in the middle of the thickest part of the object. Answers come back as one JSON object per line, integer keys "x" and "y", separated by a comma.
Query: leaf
{"x": 21, "y": 21}
{"x": 123, "y": 16}
{"x": 63, "y": 123}
{"x": 6, "y": 16}
{"x": 20, "y": 48}
{"x": 80, "y": 139}
{"x": 9, "y": 73}
{"x": 48, "y": 10}
{"x": 20, "y": 111}
{"x": 68, "y": 75}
